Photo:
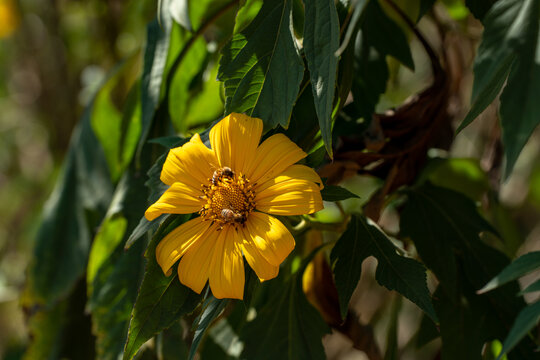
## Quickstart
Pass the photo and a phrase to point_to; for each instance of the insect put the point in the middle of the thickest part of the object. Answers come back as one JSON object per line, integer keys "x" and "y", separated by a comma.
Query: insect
{"x": 222, "y": 172}
{"x": 230, "y": 216}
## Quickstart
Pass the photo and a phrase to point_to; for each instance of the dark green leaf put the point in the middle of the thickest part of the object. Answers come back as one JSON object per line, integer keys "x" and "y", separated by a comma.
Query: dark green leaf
{"x": 438, "y": 220}
{"x": 356, "y": 19}
{"x": 261, "y": 68}
{"x": 385, "y": 35}
{"x": 395, "y": 272}
{"x": 155, "y": 62}
{"x": 73, "y": 211}
{"x": 371, "y": 76}
{"x": 321, "y": 41}
{"x": 520, "y": 108}
{"x": 336, "y": 193}
{"x": 170, "y": 343}
{"x": 479, "y": 8}
{"x": 287, "y": 327}
{"x": 161, "y": 299}
{"x": 525, "y": 321}
{"x": 425, "y": 6}
{"x": 535, "y": 286}
{"x": 437, "y": 217}
{"x": 505, "y": 32}
{"x": 114, "y": 275}
{"x": 211, "y": 309}
{"x": 168, "y": 142}
{"x": 519, "y": 267}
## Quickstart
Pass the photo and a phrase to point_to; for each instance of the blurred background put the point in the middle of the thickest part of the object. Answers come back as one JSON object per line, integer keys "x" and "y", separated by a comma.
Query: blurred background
{"x": 54, "y": 55}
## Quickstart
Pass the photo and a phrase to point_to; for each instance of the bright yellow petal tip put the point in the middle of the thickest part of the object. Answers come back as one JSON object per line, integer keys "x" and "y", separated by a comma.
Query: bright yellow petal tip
{"x": 231, "y": 186}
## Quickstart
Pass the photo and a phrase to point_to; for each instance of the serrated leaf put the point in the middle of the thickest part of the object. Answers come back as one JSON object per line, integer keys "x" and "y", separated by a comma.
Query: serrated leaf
{"x": 253, "y": 70}
{"x": 519, "y": 267}
{"x": 385, "y": 35}
{"x": 520, "y": 108}
{"x": 211, "y": 309}
{"x": 161, "y": 299}
{"x": 525, "y": 321}
{"x": 321, "y": 41}
{"x": 394, "y": 272}
{"x": 336, "y": 193}
{"x": 288, "y": 327}
{"x": 437, "y": 217}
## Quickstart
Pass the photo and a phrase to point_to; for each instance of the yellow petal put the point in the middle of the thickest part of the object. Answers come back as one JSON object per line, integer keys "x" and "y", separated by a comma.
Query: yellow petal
{"x": 192, "y": 164}
{"x": 270, "y": 237}
{"x": 291, "y": 197}
{"x": 177, "y": 242}
{"x": 263, "y": 269}
{"x": 227, "y": 270}
{"x": 178, "y": 199}
{"x": 273, "y": 156}
{"x": 195, "y": 265}
{"x": 235, "y": 139}
{"x": 292, "y": 172}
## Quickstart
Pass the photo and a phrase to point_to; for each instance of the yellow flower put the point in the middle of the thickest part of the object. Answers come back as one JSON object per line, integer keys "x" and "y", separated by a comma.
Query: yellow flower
{"x": 233, "y": 186}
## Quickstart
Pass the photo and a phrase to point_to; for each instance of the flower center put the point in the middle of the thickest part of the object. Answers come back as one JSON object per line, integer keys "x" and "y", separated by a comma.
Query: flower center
{"x": 229, "y": 198}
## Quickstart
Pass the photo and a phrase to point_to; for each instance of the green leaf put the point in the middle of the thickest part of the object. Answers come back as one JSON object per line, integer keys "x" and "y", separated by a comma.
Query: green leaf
{"x": 257, "y": 81}
{"x": 114, "y": 275}
{"x": 287, "y": 327}
{"x": 336, "y": 193}
{"x": 116, "y": 117}
{"x": 170, "y": 343}
{"x": 519, "y": 267}
{"x": 321, "y": 41}
{"x": 525, "y": 321}
{"x": 504, "y": 35}
{"x": 211, "y": 309}
{"x": 161, "y": 299}
{"x": 74, "y": 209}
{"x": 445, "y": 227}
{"x": 179, "y": 11}
{"x": 395, "y": 272}
{"x": 520, "y": 108}
{"x": 535, "y": 286}
{"x": 439, "y": 220}
{"x": 154, "y": 65}
{"x": 385, "y": 35}
{"x": 371, "y": 75}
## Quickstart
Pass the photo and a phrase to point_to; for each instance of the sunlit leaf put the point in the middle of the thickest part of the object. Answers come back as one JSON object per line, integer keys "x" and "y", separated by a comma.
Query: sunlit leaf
{"x": 252, "y": 67}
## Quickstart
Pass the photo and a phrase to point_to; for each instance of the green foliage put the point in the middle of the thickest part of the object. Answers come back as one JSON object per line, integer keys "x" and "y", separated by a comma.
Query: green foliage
{"x": 252, "y": 67}
{"x": 321, "y": 41}
{"x": 288, "y": 327}
{"x": 319, "y": 72}
{"x": 508, "y": 49}
{"x": 395, "y": 272}
{"x": 161, "y": 299}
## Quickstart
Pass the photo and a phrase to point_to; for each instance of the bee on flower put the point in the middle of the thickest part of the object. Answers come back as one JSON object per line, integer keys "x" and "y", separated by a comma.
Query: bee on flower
{"x": 235, "y": 200}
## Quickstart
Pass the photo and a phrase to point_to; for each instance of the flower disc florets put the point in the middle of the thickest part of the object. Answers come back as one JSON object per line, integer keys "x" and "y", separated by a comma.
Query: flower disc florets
{"x": 229, "y": 198}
